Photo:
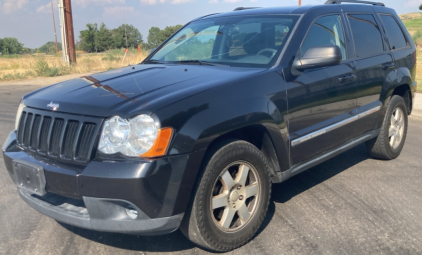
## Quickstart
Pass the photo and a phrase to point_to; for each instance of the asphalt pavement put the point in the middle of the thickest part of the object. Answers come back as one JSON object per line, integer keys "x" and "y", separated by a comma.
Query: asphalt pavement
{"x": 351, "y": 204}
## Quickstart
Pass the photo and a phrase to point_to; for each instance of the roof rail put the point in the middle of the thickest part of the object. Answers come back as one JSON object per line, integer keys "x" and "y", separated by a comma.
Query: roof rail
{"x": 353, "y": 1}
{"x": 245, "y": 8}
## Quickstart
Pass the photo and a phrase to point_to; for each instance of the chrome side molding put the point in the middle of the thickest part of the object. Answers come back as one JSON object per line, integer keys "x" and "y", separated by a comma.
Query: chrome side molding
{"x": 334, "y": 126}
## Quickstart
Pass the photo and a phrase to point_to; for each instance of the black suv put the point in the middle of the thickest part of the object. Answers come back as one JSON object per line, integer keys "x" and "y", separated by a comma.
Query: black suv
{"x": 195, "y": 135}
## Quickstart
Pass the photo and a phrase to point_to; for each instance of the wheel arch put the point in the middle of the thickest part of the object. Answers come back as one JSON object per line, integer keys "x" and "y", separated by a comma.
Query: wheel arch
{"x": 256, "y": 134}
{"x": 403, "y": 79}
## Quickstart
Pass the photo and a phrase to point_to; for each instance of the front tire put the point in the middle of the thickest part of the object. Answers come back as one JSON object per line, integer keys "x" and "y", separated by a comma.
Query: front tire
{"x": 389, "y": 143}
{"x": 231, "y": 199}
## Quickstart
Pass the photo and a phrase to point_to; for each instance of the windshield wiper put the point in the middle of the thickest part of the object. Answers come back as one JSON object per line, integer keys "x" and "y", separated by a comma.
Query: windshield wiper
{"x": 154, "y": 61}
{"x": 198, "y": 62}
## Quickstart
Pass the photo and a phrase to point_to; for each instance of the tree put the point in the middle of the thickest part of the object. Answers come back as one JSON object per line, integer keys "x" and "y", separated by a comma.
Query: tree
{"x": 157, "y": 36}
{"x": 169, "y": 31}
{"x": 87, "y": 37}
{"x": 154, "y": 39}
{"x": 10, "y": 45}
{"x": 50, "y": 48}
{"x": 420, "y": 7}
{"x": 103, "y": 38}
{"x": 129, "y": 32}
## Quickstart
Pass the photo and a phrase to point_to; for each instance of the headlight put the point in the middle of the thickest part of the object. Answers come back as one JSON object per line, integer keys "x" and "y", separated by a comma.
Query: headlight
{"x": 136, "y": 137}
{"x": 18, "y": 115}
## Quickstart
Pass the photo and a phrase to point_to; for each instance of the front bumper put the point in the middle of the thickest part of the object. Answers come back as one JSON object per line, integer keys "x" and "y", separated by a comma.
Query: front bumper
{"x": 104, "y": 194}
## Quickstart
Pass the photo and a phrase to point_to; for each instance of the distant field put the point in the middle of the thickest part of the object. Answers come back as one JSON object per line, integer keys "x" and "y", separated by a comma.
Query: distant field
{"x": 19, "y": 67}
{"x": 413, "y": 21}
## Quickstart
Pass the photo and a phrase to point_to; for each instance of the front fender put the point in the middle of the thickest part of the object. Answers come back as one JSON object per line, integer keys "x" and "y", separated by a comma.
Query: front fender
{"x": 206, "y": 116}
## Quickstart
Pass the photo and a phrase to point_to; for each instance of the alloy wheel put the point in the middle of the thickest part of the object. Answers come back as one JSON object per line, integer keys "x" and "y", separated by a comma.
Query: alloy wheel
{"x": 235, "y": 196}
{"x": 396, "y": 130}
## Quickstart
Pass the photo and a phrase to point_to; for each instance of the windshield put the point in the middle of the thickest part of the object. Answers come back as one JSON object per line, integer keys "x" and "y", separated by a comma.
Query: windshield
{"x": 233, "y": 41}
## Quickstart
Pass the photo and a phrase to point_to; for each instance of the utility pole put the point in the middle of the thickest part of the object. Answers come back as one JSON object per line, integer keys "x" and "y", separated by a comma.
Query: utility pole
{"x": 54, "y": 24}
{"x": 69, "y": 31}
{"x": 62, "y": 32}
{"x": 68, "y": 38}
{"x": 300, "y": 3}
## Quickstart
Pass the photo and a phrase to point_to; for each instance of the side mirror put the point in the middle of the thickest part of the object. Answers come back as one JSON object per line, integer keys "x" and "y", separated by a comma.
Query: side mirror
{"x": 152, "y": 50}
{"x": 318, "y": 57}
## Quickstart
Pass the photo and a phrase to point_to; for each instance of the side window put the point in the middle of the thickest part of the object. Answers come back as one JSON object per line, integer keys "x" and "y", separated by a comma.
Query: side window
{"x": 394, "y": 32}
{"x": 366, "y": 35}
{"x": 325, "y": 31}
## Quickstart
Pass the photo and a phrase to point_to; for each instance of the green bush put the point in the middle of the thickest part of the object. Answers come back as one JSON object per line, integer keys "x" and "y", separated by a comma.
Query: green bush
{"x": 42, "y": 69}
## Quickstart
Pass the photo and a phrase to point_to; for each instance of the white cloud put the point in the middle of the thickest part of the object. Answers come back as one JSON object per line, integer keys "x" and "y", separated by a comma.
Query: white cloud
{"x": 412, "y": 3}
{"x": 213, "y": 1}
{"x": 148, "y": 2}
{"x": 84, "y": 3}
{"x": 153, "y": 2}
{"x": 117, "y": 10}
{"x": 232, "y": 1}
{"x": 44, "y": 8}
{"x": 10, "y": 6}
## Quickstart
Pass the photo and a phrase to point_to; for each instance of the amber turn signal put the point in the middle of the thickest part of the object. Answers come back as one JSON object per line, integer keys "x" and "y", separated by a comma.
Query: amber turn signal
{"x": 161, "y": 144}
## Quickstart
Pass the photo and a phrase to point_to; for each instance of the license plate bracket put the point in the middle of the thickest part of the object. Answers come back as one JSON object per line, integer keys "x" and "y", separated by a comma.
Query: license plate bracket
{"x": 29, "y": 177}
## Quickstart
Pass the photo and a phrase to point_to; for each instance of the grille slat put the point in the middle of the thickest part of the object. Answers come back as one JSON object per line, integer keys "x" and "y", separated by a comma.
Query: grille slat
{"x": 27, "y": 130}
{"x": 45, "y": 129}
{"x": 85, "y": 139}
{"x": 34, "y": 133}
{"x": 69, "y": 139}
{"x": 54, "y": 148}
{"x": 58, "y": 135}
{"x": 21, "y": 127}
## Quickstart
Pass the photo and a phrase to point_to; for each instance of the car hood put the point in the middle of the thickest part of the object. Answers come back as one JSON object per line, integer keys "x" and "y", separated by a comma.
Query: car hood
{"x": 134, "y": 89}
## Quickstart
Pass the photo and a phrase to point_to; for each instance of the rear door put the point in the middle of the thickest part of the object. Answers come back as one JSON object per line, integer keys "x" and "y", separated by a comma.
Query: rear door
{"x": 399, "y": 46}
{"x": 321, "y": 100}
{"x": 373, "y": 65}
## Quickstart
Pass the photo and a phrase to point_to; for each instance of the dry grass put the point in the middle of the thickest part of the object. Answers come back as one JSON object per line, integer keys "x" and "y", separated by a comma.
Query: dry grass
{"x": 27, "y": 66}
{"x": 419, "y": 70}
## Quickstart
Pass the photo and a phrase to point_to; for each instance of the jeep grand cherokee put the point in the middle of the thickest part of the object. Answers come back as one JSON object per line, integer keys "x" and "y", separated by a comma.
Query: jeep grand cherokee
{"x": 195, "y": 135}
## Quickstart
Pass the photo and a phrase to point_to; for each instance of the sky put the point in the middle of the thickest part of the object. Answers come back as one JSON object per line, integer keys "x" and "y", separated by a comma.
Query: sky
{"x": 31, "y": 21}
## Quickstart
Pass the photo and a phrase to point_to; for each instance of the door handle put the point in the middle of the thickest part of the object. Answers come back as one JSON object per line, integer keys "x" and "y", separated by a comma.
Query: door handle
{"x": 387, "y": 66}
{"x": 346, "y": 78}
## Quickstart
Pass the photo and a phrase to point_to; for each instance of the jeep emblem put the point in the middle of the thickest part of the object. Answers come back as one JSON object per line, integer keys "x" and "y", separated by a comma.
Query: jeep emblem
{"x": 53, "y": 106}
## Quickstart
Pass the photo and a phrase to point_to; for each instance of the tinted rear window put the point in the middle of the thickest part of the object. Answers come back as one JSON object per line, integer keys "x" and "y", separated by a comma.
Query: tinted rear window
{"x": 366, "y": 35}
{"x": 394, "y": 32}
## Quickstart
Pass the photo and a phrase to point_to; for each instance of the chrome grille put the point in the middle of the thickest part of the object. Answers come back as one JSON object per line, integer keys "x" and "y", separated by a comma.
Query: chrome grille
{"x": 69, "y": 138}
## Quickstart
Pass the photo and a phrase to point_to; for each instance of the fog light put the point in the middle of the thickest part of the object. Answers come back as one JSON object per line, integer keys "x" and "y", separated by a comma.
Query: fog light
{"x": 131, "y": 212}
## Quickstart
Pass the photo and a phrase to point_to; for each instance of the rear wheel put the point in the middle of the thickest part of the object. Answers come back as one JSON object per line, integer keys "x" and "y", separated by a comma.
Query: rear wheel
{"x": 231, "y": 199}
{"x": 390, "y": 141}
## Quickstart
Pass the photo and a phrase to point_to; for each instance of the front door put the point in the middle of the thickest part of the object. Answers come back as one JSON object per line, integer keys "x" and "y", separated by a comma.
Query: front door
{"x": 321, "y": 100}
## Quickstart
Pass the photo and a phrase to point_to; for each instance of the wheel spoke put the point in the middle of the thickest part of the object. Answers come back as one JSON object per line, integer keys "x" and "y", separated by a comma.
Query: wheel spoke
{"x": 251, "y": 190}
{"x": 401, "y": 123}
{"x": 392, "y": 140}
{"x": 227, "y": 217}
{"x": 242, "y": 175}
{"x": 398, "y": 137}
{"x": 219, "y": 200}
{"x": 397, "y": 115}
{"x": 243, "y": 213}
{"x": 227, "y": 180}
{"x": 391, "y": 131}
